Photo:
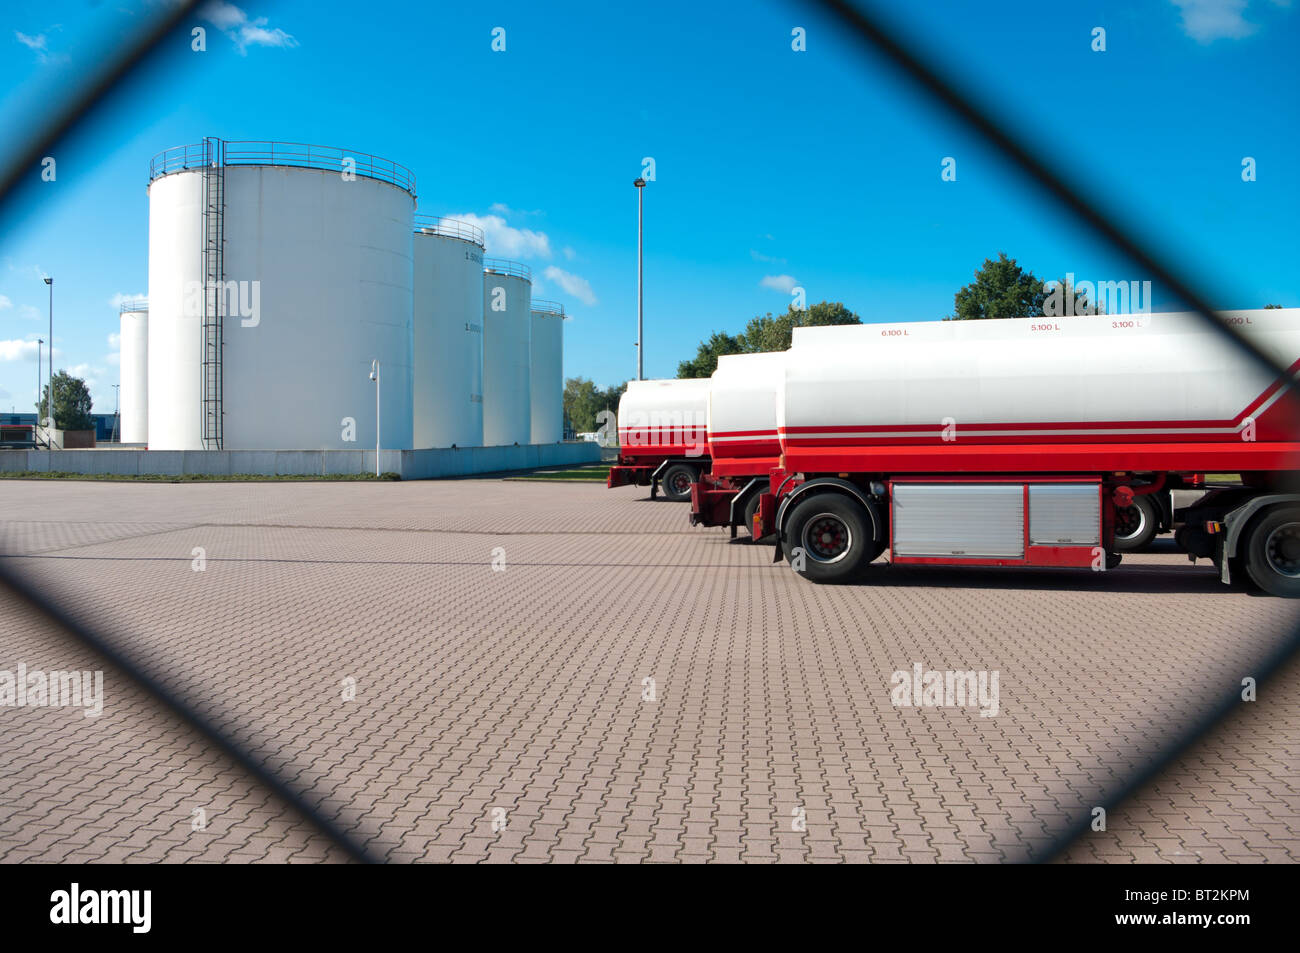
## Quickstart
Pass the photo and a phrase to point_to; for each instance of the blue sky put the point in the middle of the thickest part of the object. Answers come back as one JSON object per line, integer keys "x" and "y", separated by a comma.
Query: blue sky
{"x": 773, "y": 167}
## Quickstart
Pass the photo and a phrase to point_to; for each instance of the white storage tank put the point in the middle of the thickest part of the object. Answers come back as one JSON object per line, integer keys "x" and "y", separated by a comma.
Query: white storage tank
{"x": 315, "y": 260}
{"x": 507, "y": 304}
{"x": 133, "y": 367}
{"x": 546, "y": 372}
{"x": 448, "y": 335}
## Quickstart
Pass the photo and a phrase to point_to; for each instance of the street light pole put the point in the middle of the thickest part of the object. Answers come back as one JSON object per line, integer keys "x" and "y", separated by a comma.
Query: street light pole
{"x": 49, "y": 400}
{"x": 374, "y": 376}
{"x": 640, "y": 348}
{"x": 39, "y": 342}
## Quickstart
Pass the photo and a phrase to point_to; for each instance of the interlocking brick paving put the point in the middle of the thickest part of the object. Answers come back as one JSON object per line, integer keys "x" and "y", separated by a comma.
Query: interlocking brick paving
{"x": 506, "y": 714}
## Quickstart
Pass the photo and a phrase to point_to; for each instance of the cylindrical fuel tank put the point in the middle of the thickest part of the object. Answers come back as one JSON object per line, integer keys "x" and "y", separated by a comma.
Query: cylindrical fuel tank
{"x": 742, "y": 409}
{"x": 313, "y": 251}
{"x": 448, "y": 336}
{"x": 1124, "y": 378}
{"x": 664, "y": 417}
{"x": 134, "y": 367}
{"x": 507, "y": 305}
{"x": 546, "y": 372}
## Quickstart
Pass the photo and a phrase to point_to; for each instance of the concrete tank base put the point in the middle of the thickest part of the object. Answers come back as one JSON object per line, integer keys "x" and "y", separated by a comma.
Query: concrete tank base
{"x": 409, "y": 464}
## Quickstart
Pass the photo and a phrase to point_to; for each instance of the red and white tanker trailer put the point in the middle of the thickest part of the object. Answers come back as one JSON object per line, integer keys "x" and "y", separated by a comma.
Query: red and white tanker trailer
{"x": 1015, "y": 442}
{"x": 742, "y": 441}
{"x": 661, "y": 436}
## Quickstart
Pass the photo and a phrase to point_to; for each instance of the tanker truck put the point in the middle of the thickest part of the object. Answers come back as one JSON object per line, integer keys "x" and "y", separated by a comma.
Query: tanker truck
{"x": 1014, "y": 442}
{"x": 661, "y": 436}
{"x": 742, "y": 443}
{"x": 741, "y": 438}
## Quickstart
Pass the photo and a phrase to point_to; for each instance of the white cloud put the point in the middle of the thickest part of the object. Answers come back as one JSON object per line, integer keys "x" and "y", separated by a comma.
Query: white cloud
{"x": 115, "y": 340}
{"x": 766, "y": 259}
{"x": 16, "y": 350}
{"x": 39, "y": 43}
{"x": 505, "y": 241}
{"x": 5, "y": 303}
{"x": 224, "y": 16}
{"x": 114, "y": 357}
{"x": 572, "y": 284}
{"x": 1208, "y": 20}
{"x": 569, "y": 253}
{"x": 234, "y": 22}
{"x": 783, "y": 283}
{"x": 120, "y": 299}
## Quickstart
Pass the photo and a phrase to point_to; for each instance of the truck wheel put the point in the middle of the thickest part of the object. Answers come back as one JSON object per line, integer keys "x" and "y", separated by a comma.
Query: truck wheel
{"x": 1135, "y": 525}
{"x": 1273, "y": 552}
{"x": 677, "y": 483}
{"x": 751, "y": 508}
{"x": 830, "y": 536}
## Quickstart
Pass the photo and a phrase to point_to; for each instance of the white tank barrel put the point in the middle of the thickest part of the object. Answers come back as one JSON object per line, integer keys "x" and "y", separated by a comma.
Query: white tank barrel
{"x": 448, "y": 338}
{"x": 546, "y": 372}
{"x": 507, "y": 304}
{"x": 316, "y": 279}
{"x": 742, "y": 406}
{"x": 664, "y": 417}
{"x": 1123, "y": 378}
{"x": 133, "y": 368}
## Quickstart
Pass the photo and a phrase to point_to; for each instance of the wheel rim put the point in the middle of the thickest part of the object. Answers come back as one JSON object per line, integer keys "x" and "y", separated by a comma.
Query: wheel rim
{"x": 1282, "y": 550}
{"x": 827, "y": 538}
{"x": 1130, "y": 521}
{"x": 680, "y": 484}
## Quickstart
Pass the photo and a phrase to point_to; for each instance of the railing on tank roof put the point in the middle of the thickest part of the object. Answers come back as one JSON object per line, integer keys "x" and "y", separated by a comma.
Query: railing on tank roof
{"x": 450, "y": 228}
{"x": 299, "y": 155}
{"x": 500, "y": 266}
{"x": 548, "y": 307}
{"x": 135, "y": 304}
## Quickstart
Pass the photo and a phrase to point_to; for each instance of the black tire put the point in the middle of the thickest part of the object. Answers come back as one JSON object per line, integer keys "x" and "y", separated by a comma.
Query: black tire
{"x": 1272, "y": 552}
{"x": 833, "y": 537}
{"x": 751, "y": 508}
{"x": 676, "y": 482}
{"x": 1136, "y": 525}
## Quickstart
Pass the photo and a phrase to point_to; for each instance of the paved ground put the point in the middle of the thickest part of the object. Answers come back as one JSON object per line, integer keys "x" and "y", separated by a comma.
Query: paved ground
{"x": 505, "y": 714}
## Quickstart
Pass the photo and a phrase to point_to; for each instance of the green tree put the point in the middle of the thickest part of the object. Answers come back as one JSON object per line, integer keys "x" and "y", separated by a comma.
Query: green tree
{"x": 581, "y": 402}
{"x": 1001, "y": 289}
{"x": 767, "y": 332}
{"x": 610, "y": 397}
{"x": 1270, "y": 307}
{"x": 72, "y": 404}
{"x": 705, "y": 361}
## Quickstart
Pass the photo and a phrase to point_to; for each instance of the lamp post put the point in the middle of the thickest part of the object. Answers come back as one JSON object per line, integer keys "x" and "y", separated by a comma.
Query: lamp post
{"x": 640, "y": 350}
{"x": 117, "y": 412}
{"x": 374, "y": 376}
{"x": 39, "y": 342}
{"x": 49, "y": 400}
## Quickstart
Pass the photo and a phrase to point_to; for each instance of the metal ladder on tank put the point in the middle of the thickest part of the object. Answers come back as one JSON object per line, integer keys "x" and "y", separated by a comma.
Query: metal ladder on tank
{"x": 214, "y": 239}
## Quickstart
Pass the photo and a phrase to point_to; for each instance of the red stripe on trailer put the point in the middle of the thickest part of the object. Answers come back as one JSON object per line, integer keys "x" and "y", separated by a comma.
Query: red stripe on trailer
{"x": 1227, "y": 457}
